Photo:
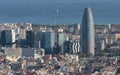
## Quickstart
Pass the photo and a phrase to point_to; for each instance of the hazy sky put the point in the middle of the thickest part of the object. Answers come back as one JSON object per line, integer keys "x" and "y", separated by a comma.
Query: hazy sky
{"x": 32, "y": 2}
{"x": 37, "y": 10}
{"x": 68, "y": 1}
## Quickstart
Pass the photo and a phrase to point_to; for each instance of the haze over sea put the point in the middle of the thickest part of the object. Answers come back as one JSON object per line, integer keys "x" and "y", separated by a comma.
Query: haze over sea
{"x": 63, "y": 11}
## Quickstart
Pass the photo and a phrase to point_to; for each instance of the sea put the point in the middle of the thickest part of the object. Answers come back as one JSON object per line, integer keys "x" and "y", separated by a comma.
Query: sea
{"x": 61, "y": 12}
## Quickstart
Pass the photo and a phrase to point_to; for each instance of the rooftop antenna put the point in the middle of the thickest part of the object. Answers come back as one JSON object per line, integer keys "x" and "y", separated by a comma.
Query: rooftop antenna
{"x": 57, "y": 11}
{"x": 57, "y": 34}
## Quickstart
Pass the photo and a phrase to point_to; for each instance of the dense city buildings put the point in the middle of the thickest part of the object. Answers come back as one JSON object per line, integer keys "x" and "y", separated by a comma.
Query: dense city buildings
{"x": 58, "y": 53}
{"x": 66, "y": 49}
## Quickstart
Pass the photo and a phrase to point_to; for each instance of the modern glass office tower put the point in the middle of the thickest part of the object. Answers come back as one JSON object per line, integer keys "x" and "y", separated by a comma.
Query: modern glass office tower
{"x": 87, "y": 32}
{"x": 49, "y": 42}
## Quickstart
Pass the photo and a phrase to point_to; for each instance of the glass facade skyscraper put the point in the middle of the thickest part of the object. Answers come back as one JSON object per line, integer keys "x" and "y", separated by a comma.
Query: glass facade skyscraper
{"x": 49, "y": 42}
{"x": 87, "y": 32}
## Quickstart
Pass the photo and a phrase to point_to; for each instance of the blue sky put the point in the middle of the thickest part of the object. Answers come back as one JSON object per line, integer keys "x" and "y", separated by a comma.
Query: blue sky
{"x": 68, "y": 1}
{"x": 35, "y": 2}
{"x": 31, "y": 2}
{"x": 37, "y": 10}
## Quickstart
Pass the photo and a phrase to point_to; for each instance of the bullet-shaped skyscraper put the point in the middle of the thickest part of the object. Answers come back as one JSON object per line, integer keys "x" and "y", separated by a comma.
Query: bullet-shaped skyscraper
{"x": 87, "y": 32}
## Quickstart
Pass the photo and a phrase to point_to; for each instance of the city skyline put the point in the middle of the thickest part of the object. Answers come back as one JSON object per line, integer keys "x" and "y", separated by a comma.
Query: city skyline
{"x": 60, "y": 37}
{"x": 27, "y": 48}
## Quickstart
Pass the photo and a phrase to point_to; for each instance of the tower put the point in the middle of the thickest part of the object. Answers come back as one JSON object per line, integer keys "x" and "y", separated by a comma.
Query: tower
{"x": 49, "y": 42}
{"x": 87, "y": 32}
{"x": 8, "y": 37}
{"x": 30, "y": 38}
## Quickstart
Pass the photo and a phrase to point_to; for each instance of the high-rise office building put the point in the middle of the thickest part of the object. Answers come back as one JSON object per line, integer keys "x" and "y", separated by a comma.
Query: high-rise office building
{"x": 75, "y": 47}
{"x": 38, "y": 39}
{"x": 22, "y": 33}
{"x": 76, "y": 28}
{"x": 61, "y": 38}
{"x": 49, "y": 42}
{"x": 87, "y": 32}
{"x": 30, "y": 38}
{"x": 67, "y": 47}
{"x": 8, "y": 36}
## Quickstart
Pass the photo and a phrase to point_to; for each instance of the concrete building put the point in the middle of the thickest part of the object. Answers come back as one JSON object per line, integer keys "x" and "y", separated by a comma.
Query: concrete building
{"x": 28, "y": 52}
{"x": 100, "y": 45}
{"x": 39, "y": 53}
{"x": 13, "y": 54}
{"x": 22, "y": 33}
{"x": 76, "y": 47}
{"x": 76, "y": 28}
{"x": 87, "y": 31}
{"x": 117, "y": 37}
